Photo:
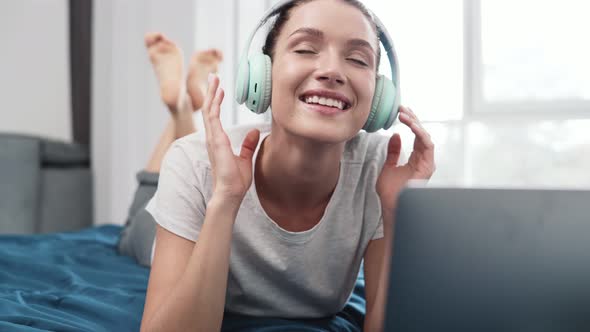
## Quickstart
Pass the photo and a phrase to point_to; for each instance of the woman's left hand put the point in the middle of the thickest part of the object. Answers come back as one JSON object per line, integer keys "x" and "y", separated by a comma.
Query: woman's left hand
{"x": 420, "y": 165}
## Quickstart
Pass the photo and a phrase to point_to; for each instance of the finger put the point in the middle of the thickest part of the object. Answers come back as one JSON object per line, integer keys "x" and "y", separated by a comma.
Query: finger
{"x": 213, "y": 118}
{"x": 411, "y": 116}
{"x": 212, "y": 84}
{"x": 406, "y": 119}
{"x": 216, "y": 137}
{"x": 215, "y": 108}
{"x": 205, "y": 113}
{"x": 424, "y": 138}
{"x": 249, "y": 145}
{"x": 394, "y": 148}
{"x": 409, "y": 119}
{"x": 205, "y": 110}
{"x": 422, "y": 135}
{"x": 408, "y": 111}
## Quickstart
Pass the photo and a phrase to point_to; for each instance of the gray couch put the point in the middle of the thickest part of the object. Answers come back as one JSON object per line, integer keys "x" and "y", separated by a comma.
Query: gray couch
{"x": 45, "y": 185}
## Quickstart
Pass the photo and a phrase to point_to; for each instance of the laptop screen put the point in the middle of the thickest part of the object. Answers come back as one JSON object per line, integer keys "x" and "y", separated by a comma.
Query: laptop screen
{"x": 490, "y": 260}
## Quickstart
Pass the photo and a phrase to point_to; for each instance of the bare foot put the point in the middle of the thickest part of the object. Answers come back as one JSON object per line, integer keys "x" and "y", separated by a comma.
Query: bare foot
{"x": 202, "y": 63}
{"x": 167, "y": 61}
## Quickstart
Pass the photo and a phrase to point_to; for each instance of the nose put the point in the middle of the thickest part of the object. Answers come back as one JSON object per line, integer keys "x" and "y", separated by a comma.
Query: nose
{"x": 330, "y": 69}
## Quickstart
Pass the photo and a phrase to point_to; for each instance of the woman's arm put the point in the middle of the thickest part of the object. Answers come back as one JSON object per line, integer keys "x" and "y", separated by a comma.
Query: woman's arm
{"x": 376, "y": 268}
{"x": 188, "y": 281}
{"x": 187, "y": 294}
{"x": 391, "y": 181}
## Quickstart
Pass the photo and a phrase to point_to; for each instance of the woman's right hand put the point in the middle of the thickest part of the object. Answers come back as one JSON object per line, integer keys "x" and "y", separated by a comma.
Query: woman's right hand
{"x": 232, "y": 175}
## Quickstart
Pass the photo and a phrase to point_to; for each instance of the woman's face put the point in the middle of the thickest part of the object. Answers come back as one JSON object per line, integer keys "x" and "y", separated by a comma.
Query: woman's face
{"x": 323, "y": 73}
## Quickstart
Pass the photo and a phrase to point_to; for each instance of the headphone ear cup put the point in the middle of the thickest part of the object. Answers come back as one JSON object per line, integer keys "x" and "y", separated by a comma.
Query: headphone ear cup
{"x": 242, "y": 79}
{"x": 374, "y": 104}
{"x": 394, "y": 110}
{"x": 260, "y": 84}
{"x": 382, "y": 107}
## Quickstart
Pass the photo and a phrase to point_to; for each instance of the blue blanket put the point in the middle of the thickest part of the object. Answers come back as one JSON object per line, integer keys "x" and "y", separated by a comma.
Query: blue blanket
{"x": 78, "y": 282}
{"x": 69, "y": 282}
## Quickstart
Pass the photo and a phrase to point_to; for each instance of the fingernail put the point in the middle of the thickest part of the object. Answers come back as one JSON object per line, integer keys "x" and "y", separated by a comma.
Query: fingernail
{"x": 210, "y": 78}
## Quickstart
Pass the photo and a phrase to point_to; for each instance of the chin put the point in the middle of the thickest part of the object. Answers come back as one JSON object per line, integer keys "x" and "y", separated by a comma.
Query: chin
{"x": 322, "y": 130}
{"x": 321, "y": 135}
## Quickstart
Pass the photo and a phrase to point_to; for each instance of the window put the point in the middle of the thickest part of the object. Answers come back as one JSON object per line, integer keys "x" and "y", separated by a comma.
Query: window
{"x": 536, "y": 50}
{"x": 503, "y": 86}
{"x": 428, "y": 38}
{"x": 530, "y": 56}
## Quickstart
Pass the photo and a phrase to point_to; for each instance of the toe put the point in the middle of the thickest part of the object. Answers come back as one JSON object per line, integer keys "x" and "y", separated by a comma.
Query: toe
{"x": 218, "y": 54}
{"x": 152, "y": 38}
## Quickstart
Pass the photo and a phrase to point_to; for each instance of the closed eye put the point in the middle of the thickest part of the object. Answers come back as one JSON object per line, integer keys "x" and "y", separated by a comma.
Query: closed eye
{"x": 304, "y": 52}
{"x": 360, "y": 62}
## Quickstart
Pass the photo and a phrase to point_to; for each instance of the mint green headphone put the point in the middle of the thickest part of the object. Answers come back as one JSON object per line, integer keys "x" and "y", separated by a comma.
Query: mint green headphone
{"x": 253, "y": 83}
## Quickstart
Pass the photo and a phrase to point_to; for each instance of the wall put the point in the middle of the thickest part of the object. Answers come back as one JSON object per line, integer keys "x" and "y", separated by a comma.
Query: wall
{"x": 34, "y": 68}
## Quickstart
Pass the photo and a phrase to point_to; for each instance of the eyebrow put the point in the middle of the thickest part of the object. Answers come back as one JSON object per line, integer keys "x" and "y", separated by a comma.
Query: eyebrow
{"x": 319, "y": 34}
{"x": 309, "y": 31}
{"x": 361, "y": 43}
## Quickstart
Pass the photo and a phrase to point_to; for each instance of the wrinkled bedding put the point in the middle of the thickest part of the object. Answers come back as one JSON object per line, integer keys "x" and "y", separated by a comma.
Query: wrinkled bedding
{"x": 69, "y": 282}
{"x": 78, "y": 282}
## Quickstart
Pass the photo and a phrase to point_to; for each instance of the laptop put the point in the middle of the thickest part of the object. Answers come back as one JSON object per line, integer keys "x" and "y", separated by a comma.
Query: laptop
{"x": 483, "y": 259}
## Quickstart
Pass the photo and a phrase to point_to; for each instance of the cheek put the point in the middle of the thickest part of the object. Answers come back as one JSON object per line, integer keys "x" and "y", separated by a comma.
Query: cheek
{"x": 287, "y": 76}
{"x": 365, "y": 90}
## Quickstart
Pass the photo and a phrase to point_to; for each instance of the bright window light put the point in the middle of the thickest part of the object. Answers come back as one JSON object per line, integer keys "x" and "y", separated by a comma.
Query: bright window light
{"x": 535, "y": 50}
{"x": 428, "y": 37}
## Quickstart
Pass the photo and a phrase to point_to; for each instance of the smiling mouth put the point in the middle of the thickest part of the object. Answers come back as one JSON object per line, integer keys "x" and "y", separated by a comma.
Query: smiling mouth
{"x": 324, "y": 101}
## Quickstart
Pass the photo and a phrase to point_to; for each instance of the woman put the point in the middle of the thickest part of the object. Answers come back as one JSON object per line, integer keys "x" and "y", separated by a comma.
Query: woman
{"x": 280, "y": 229}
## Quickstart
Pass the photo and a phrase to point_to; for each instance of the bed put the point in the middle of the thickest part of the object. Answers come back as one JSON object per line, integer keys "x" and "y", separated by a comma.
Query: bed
{"x": 72, "y": 281}
{"x": 77, "y": 281}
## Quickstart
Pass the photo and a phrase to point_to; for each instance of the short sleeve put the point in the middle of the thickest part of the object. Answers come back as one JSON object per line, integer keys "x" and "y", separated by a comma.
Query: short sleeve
{"x": 379, "y": 231}
{"x": 179, "y": 204}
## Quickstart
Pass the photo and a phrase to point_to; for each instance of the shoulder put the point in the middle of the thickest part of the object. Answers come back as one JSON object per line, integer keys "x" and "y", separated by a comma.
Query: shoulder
{"x": 366, "y": 147}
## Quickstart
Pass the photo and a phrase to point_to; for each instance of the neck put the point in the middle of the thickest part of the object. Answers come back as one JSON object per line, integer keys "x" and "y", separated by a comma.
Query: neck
{"x": 296, "y": 174}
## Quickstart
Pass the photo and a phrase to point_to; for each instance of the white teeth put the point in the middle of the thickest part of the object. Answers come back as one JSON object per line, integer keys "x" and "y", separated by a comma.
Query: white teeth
{"x": 325, "y": 101}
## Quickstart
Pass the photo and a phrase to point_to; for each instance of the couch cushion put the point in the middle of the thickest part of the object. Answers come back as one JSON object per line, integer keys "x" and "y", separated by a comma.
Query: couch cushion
{"x": 20, "y": 183}
{"x": 66, "y": 199}
{"x": 59, "y": 154}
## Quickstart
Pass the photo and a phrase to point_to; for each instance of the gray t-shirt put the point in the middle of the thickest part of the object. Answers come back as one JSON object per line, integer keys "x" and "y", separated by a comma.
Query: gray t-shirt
{"x": 274, "y": 272}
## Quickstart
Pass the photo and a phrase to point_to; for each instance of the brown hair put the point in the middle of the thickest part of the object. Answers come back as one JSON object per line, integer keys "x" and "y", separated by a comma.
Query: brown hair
{"x": 283, "y": 15}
